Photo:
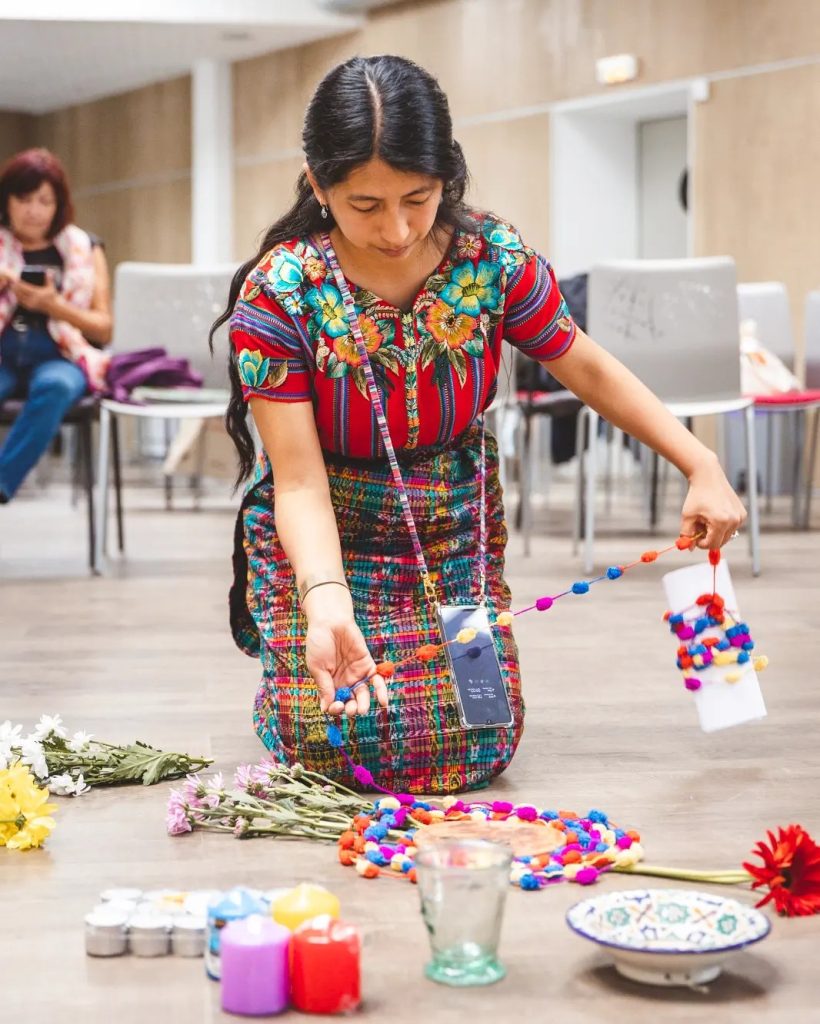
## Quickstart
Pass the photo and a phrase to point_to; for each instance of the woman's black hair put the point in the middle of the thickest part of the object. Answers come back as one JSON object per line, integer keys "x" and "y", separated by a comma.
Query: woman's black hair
{"x": 385, "y": 107}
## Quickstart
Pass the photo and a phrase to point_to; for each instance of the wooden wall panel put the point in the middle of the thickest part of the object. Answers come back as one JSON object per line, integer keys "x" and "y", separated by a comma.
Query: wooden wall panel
{"x": 16, "y": 133}
{"x": 755, "y": 177}
{"x": 263, "y": 193}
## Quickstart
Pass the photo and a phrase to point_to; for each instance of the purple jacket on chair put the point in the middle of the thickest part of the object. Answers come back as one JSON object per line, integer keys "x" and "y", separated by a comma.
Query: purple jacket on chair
{"x": 148, "y": 367}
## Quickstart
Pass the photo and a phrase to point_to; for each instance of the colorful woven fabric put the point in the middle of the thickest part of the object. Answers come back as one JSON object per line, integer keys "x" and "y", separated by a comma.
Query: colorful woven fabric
{"x": 417, "y": 744}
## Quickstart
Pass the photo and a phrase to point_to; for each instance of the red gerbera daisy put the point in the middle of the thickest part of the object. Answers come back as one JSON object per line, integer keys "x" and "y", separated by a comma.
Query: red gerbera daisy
{"x": 791, "y": 870}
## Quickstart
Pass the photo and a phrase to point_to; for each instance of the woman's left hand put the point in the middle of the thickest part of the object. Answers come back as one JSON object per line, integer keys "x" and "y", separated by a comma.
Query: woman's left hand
{"x": 711, "y": 508}
{"x": 38, "y": 298}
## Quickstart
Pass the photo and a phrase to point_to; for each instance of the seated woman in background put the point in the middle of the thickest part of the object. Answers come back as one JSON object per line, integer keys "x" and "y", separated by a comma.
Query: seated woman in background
{"x": 54, "y": 308}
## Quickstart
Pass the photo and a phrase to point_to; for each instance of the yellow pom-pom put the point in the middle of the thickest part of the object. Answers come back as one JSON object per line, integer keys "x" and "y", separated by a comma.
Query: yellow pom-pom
{"x": 697, "y": 659}
{"x": 366, "y": 868}
{"x": 389, "y": 802}
{"x": 396, "y": 861}
{"x": 410, "y": 851}
{"x": 448, "y": 802}
{"x": 436, "y": 815}
{"x": 466, "y": 635}
{"x": 733, "y": 677}
{"x": 478, "y": 816}
{"x": 761, "y": 663}
{"x": 724, "y": 658}
{"x": 504, "y": 619}
{"x": 370, "y": 846}
{"x": 571, "y": 870}
{"x": 607, "y": 836}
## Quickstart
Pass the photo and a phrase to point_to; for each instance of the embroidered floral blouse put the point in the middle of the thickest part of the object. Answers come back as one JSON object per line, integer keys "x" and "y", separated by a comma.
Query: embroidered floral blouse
{"x": 436, "y": 365}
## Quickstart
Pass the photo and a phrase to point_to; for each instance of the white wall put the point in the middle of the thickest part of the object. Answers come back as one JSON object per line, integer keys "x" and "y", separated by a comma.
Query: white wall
{"x": 594, "y": 190}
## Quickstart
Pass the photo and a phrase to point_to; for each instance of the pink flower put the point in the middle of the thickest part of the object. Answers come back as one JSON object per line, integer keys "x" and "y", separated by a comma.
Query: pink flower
{"x": 177, "y": 820}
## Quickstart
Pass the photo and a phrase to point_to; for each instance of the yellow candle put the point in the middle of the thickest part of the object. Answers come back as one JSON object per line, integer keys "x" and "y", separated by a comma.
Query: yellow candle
{"x": 302, "y": 903}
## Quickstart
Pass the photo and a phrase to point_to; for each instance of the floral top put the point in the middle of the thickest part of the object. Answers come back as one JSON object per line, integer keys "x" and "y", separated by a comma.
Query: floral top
{"x": 436, "y": 365}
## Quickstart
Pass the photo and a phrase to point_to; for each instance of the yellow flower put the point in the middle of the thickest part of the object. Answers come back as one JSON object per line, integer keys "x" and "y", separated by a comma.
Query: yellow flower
{"x": 346, "y": 349}
{"x": 449, "y": 327}
{"x": 25, "y": 820}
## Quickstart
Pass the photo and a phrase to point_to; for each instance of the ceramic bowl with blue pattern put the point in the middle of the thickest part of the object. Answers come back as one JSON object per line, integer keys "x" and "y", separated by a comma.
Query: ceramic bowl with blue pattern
{"x": 668, "y": 936}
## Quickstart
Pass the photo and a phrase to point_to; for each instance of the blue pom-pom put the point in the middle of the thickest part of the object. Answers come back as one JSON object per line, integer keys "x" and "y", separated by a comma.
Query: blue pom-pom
{"x": 375, "y": 832}
{"x": 619, "y": 833}
{"x": 722, "y": 645}
{"x": 743, "y": 628}
{"x": 473, "y": 652}
{"x": 701, "y": 624}
{"x": 548, "y": 815}
{"x": 406, "y": 866}
{"x": 598, "y": 816}
{"x": 529, "y": 881}
{"x": 675, "y": 620}
{"x": 524, "y": 860}
{"x": 376, "y": 857}
{"x": 388, "y": 820}
{"x": 614, "y": 572}
{"x": 749, "y": 645}
{"x": 601, "y": 848}
{"x": 334, "y": 736}
{"x": 743, "y": 657}
{"x": 344, "y": 694}
{"x": 424, "y": 806}
{"x": 581, "y": 587}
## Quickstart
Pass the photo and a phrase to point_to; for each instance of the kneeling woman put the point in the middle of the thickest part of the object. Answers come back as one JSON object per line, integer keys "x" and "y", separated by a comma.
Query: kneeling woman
{"x": 381, "y": 282}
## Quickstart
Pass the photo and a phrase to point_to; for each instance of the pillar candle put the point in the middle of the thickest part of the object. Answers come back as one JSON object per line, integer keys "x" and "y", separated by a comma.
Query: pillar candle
{"x": 325, "y": 974}
{"x": 254, "y": 962}
{"x": 303, "y": 903}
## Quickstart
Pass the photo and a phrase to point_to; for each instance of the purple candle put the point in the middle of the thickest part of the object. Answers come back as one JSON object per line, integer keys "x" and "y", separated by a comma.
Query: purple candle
{"x": 254, "y": 959}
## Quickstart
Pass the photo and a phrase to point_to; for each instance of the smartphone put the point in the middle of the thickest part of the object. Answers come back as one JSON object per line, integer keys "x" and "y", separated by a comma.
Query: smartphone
{"x": 483, "y": 702}
{"x": 33, "y": 275}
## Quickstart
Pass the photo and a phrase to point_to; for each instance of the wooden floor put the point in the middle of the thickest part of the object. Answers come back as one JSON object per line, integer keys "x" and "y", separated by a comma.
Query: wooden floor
{"x": 145, "y": 652}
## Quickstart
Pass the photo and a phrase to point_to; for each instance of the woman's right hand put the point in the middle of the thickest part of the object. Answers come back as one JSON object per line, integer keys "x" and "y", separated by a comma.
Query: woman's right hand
{"x": 337, "y": 656}
{"x": 7, "y": 277}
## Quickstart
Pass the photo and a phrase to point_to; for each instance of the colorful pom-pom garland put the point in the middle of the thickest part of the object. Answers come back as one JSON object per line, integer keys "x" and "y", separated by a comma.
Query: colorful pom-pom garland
{"x": 383, "y": 843}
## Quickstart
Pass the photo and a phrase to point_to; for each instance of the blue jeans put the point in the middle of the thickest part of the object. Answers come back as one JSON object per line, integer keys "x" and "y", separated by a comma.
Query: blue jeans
{"x": 31, "y": 366}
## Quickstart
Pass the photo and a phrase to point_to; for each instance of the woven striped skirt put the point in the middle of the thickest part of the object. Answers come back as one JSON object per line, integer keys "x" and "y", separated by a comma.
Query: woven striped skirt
{"x": 417, "y": 744}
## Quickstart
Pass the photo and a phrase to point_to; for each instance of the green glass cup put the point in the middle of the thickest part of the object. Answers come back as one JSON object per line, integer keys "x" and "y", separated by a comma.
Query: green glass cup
{"x": 462, "y": 886}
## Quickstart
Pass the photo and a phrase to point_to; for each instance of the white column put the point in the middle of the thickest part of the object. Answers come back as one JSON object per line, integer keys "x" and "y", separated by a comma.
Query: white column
{"x": 211, "y": 162}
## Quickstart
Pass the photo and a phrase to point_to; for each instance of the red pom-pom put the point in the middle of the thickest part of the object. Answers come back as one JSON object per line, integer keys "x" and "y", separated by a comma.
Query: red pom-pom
{"x": 685, "y": 543}
{"x": 667, "y": 616}
{"x": 649, "y": 556}
{"x": 385, "y": 669}
{"x": 427, "y": 652}
{"x": 704, "y": 599}
{"x": 714, "y": 556}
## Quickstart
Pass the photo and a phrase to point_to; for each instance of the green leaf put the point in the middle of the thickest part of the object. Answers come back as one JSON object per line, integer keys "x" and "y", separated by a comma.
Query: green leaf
{"x": 436, "y": 282}
{"x": 431, "y": 350}
{"x": 459, "y": 362}
{"x": 253, "y": 293}
{"x": 475, "y": 346}
{"x": 360, "y": 380}
{"x": 277, "y": 373}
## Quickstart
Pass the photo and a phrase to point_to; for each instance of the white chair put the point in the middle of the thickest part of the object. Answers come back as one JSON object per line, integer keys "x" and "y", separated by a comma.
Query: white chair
{"x": 767, "y": 303}
{"x": 173, "y": 306}
{"x": 674, "y": 323}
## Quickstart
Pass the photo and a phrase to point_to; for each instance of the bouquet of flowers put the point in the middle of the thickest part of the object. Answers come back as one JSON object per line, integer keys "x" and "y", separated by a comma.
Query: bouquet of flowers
{"x": 25, "y": 814}
{"x": 71, "y": 766}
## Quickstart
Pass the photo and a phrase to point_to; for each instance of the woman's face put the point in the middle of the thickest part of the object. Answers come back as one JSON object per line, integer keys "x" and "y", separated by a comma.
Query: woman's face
{"x": 383, "y": 211}
{"x": 30, "y": 215}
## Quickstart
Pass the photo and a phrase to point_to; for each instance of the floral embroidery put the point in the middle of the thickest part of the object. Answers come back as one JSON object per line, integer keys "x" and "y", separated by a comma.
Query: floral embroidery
{"x": 315, "y": 269}
{"x": 468, "y": 247}
{"x": 512, "y": 251}
{"x": 329, "y": 316}
{"x": 471, "y": 287}
{"x": 286, "y": 273}
{"x": 447, "y": 326}
{"x": 258, "y": 371}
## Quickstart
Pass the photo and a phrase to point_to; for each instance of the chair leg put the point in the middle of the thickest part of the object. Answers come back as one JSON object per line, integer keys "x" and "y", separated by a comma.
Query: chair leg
{"x": 525, "y": 485}
{"x": 88, "y": 472}
{"x": 797, "y": 483}
{"x": 102, "y": 488}
{"x": 769, "y": 462}
{"x": 580, "y": 447}
{"x": 653, "y": 492}
{"x": 810, "y": 471}
{"x": 752, "y": 492}
{"x": 590, "y": 486}
{"x": 115, "y": 452}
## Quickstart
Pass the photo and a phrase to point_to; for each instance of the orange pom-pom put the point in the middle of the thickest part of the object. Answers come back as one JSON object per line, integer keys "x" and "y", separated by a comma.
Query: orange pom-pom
{"x": 423, "y": 817}
{"x": 411, "y": 876}
{"x": 567, "y": 814}
{"x": 649, "y": 556}
{"x": 385, "y": 669}
{"x": 634, "y": 836}
{"x": 361, "y": 822}
{"x": 714, "y": 556}
{"x": 358, "y": 844}
{"x": 572, "y": 837}
{"x": 347, "y": 839}
{"x": 667, "y": 616}
{"x": 427, "y": 652}
{"x": 347, "y": 857}
{"x": 685, "y": 543}
{"x": 571, "y": 857}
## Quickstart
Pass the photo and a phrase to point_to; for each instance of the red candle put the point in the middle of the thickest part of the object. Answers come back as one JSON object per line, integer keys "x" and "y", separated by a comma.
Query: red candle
{"x": 324, "y": 964}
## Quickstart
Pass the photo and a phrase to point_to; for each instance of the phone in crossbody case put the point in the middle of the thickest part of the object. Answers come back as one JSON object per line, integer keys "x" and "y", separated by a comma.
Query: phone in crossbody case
{"x": 478, "y": 682}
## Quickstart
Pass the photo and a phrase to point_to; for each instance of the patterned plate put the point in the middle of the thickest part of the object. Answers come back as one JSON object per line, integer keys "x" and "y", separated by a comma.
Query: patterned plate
{"x": 668, "y": 936}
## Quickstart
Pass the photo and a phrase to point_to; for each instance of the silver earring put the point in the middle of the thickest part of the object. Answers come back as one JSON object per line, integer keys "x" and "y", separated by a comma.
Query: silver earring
{"x": 324, "y": 211}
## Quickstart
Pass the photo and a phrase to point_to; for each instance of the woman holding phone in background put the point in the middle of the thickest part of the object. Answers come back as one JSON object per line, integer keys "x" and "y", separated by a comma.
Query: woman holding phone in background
{"x": 55, "y": 310}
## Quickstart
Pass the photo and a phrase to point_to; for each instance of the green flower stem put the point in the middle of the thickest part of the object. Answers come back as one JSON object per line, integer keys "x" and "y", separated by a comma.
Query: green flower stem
{"x": 685, "y": 875}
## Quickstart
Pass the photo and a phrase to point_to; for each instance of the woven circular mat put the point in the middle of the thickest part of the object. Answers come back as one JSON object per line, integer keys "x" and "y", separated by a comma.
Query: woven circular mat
{"x": 527, "y": 838}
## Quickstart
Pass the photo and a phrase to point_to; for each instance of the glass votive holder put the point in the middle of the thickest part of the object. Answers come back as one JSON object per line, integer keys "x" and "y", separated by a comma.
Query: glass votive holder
{"x": 462, "y": 886}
